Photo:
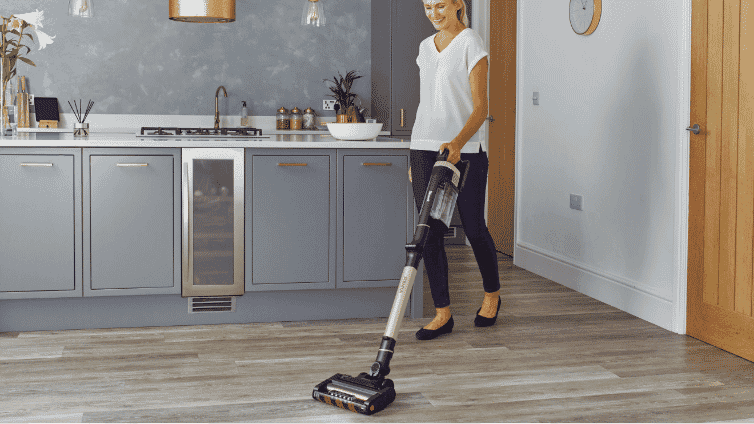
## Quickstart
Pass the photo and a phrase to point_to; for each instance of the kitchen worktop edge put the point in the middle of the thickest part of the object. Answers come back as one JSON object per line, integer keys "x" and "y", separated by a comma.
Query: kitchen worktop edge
{"x": 309, "y": 141}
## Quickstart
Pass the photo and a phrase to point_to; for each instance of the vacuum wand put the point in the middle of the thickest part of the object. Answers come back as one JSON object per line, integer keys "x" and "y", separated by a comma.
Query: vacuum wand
{"x": 371, "y": 392}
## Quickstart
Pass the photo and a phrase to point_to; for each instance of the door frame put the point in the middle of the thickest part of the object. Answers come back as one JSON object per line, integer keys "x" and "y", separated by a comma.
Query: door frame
{"x": 683, "y": 140}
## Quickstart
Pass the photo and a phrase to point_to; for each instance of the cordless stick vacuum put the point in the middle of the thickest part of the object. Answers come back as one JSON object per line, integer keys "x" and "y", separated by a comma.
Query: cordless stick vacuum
{"x": 371, "y": 392}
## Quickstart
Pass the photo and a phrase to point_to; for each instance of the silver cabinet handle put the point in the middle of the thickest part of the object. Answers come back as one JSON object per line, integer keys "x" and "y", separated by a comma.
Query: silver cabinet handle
{"x": 694, "y": 129}
{"x": 292, "y": 164}
{"x": 133, "y": 164}
{"x": 35, "y": 164}
{"x": 185, "y": 222}
{"x": 376, "y": 164}
{"x": 403, "y": 117}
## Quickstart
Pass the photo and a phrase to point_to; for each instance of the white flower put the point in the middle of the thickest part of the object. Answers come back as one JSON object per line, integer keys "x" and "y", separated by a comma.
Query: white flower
{"x": 35, "y": 20}
{"x": 43, "y": 39}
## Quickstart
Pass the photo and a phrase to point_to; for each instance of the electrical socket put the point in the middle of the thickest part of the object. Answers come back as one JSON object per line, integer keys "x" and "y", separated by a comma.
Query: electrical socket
{"x": 31, "y": 100}
{"x": 328, "y": 104}
{"x": 577, "y": 202}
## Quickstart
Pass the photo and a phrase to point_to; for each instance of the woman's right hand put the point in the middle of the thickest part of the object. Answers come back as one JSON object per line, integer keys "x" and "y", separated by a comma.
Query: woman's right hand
{"x": 409, "y": 175}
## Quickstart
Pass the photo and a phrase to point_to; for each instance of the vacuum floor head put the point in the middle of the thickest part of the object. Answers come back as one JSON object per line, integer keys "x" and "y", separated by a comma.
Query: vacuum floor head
{"x": 357, "y": 394}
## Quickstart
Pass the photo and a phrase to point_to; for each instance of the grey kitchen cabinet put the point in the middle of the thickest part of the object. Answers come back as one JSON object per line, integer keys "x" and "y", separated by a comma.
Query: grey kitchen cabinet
{"x": 290, "y": 219}
{"x": 40, "y": 223}
{"x": 398, "y": 27}
{"x": 376, "y": 217}
{"x": 132, "y": 216}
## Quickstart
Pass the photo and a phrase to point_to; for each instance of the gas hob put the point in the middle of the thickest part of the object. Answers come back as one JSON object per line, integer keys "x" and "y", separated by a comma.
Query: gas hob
{"x": 201, "y": 132}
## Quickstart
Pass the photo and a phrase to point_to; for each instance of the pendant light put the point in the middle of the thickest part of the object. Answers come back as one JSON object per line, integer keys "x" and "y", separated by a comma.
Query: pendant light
{"x": 203, "y": 11}
{"x": 80, "y": 8}
{"x": 314, "y": 13}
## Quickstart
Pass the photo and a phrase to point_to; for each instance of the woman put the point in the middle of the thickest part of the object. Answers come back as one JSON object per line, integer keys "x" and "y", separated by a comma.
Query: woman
{"x": 453, "y": 106}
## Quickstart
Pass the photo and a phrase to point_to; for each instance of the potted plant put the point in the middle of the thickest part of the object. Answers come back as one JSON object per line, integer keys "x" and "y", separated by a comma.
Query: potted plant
{"x": 346, "y": 110}
{"x": 11, "y": 50}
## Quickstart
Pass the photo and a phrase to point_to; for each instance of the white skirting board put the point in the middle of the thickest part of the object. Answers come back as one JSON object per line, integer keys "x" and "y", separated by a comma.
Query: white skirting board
{"x": 651, "y": 307}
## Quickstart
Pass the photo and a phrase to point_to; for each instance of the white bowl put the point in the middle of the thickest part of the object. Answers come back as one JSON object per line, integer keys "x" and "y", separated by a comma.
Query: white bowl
{"x": 354, "y": 131}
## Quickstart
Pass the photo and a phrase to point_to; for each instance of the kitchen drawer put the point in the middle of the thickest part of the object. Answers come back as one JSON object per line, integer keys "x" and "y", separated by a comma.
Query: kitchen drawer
{"x": 374, "y": 218}
{"x": 291, "y": 237}
{"x": 132, "y": 204}
{"x": 40, "y": 223}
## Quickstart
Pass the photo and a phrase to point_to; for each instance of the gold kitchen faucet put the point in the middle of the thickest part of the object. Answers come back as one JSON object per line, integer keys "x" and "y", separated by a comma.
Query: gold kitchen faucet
{"x": 217, "y": 110}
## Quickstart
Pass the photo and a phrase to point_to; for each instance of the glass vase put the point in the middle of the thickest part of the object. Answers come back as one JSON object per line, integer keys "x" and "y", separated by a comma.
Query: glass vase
{"x": 3, "y": 113}
{"x": 7, "y": 104}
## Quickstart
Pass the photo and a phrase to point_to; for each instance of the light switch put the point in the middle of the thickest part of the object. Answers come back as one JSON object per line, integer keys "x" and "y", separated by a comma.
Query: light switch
{"x": 535, "y": 98}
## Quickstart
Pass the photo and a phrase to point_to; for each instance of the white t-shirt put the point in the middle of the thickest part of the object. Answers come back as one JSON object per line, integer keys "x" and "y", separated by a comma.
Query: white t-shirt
{"x": 445, "y": 101}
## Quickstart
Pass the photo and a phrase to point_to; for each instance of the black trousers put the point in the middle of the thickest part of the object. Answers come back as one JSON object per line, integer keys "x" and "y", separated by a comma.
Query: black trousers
{"x": 470, "y": 206}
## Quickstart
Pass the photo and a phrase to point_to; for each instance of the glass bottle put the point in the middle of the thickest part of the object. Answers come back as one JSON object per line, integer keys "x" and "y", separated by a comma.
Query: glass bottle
{"x": 244, "y": 116}
{"x": 283, "y": 119}
{"x": 309, "y": 119}
{"x": 297, "y": 119}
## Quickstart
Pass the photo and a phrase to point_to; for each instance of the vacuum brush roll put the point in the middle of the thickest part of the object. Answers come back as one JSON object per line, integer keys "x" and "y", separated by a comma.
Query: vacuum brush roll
{"x": 356, "y": 394}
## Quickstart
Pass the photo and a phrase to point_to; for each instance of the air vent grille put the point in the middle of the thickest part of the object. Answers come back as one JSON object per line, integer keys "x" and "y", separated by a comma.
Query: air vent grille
{"x": 209, "y": 304}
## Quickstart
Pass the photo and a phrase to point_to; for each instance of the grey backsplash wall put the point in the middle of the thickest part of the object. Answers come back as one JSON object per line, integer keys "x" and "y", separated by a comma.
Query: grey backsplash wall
{"x": 131, "y": 59}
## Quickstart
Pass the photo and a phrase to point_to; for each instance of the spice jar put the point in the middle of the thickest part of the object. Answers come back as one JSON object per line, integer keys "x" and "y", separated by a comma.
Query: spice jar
{"x": 297, "y": 119}
{"x": 283, "y": 119}
{"x": 309, "y": 119}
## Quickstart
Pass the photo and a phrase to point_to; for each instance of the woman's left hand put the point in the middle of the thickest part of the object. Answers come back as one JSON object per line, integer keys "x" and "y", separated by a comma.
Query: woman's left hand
{"x": 454, "y": 152}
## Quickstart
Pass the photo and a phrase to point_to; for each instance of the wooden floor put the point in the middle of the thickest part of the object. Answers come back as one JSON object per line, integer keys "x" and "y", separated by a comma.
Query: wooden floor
{"x": 554, "y": 356}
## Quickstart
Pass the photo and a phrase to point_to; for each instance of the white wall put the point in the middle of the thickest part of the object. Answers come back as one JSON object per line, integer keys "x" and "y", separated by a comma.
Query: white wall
{"x": 610, "y": 126}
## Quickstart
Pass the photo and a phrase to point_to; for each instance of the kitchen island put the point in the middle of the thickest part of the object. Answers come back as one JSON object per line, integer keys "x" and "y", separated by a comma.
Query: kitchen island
{"x": 87, "y": 247}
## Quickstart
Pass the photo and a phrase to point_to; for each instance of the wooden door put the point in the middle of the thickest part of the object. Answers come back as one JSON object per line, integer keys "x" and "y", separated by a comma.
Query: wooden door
{"x": 721, "y": 192}
{"x": 502, "y": 133}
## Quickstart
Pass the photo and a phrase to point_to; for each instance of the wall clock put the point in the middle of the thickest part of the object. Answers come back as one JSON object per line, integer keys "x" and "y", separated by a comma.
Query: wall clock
{"x": 585, "y": 15}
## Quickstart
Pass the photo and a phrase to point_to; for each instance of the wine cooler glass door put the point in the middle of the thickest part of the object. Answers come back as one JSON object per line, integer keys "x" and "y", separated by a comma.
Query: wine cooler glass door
{"x": 213, "y": 222}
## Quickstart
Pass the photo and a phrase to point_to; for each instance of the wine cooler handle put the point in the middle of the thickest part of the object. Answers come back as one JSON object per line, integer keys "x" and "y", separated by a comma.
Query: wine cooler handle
{"x": 186, "y": 219}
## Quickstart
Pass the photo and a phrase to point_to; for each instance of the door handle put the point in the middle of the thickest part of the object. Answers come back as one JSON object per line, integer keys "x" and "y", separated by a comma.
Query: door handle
{"x": 403, "y": 117}
{"x": 132, "y": 164}
{"x": 376, "y": 164}
{"x": 694, "y": 129}
{"x": 35, "y": 164}
{"x": 491, "y": 119}
{"x": 292, "y": 164}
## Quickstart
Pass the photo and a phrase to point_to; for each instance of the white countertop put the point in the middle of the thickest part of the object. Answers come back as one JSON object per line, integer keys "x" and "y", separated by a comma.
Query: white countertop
{"x": 305, "y": 140}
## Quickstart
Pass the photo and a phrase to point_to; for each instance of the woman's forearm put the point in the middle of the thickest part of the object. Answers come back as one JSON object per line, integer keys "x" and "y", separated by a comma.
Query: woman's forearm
{"x": 476, "y": 120}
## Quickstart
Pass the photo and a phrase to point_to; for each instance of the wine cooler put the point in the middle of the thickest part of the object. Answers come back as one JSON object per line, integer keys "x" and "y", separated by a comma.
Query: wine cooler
{"x": 213, "y": 221}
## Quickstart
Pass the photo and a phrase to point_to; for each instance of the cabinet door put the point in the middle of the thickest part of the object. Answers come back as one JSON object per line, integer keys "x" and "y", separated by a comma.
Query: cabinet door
{"x": 291, "y": 222}
{"x": 381, "y": 64}
{"x": 409, "y": 25}
{"x": 131, "y": 223}
{"x": 374, "y": 219}
{"x": 37, "y": 223}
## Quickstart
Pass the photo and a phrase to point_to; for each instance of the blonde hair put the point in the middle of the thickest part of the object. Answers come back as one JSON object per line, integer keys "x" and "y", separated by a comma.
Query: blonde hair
{"x": 462, "y": 16}
{"x": 462, "y": 13}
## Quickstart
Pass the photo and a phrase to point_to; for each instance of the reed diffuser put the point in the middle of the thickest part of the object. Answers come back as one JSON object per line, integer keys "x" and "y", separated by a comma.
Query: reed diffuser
{"x": 80, "y": 128}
